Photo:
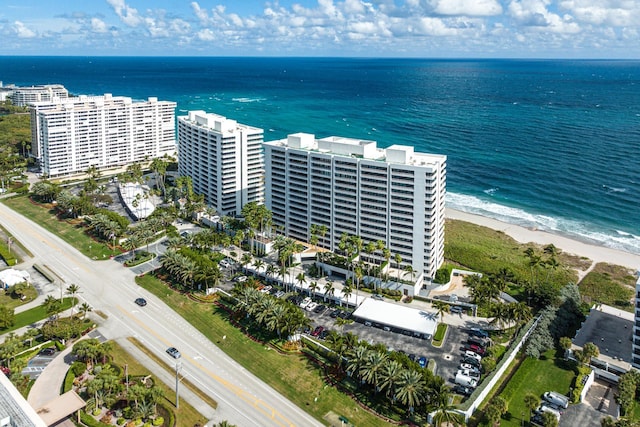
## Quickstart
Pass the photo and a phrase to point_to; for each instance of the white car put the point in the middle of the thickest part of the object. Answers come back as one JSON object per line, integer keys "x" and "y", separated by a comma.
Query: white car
{"x": 476, "y": 356}
{"x": 468, "y": 367}
{"x": 311, "y": 306}
{"x": 266, "y": 289}
{"x": 224, "y": 264}
{"x": 241, "y": 279}
{"x": 468, "y": 373}
{"x": 279, "y": 294}
{"x": 305, "y": 302}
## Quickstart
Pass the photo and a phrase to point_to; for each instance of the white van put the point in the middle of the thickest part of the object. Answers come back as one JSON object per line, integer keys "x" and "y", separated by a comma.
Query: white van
{"x": 465, "y": 380}
{"x": 557, "y": 399}
{"x": 546, "y": 408}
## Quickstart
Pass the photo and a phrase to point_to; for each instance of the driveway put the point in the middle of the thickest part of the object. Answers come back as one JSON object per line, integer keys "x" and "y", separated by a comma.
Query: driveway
{"x": 598, "y": 404}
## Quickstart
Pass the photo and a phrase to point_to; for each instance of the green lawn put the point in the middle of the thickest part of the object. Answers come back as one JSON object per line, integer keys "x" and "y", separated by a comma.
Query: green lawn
{"x": 609, "y": 284}
{"x": 292, "y": 375}
{"x": 71, "y": 231}
{"x": 535, "y": 376}
{"x": 33, "y": 315}
{"x": 9, "y": 301}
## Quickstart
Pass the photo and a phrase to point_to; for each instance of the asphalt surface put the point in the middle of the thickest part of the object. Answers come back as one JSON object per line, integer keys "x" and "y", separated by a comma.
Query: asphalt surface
{"x": 110, "y": 288}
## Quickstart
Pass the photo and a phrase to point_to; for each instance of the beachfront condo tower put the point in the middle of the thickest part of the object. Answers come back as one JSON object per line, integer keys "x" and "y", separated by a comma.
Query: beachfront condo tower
{"x": 635, "y": 357}
{"x": 70, "y": 135}
{"x": 393, "y": 195}
{"x": 25, "y": 95}
{"x": 224, "y": 160}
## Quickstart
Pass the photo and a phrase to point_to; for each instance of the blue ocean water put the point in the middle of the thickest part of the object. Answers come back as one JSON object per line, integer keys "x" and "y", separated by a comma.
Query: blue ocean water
{"x": 547, "y": 144}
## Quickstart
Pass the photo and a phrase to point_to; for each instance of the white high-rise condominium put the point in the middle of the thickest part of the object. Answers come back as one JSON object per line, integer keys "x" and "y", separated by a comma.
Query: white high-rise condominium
{"x": 23, "y": 96}
{"x": 73, "y": 134}
{"x": 223, "y": 158}
{"x": 350, "y": 186}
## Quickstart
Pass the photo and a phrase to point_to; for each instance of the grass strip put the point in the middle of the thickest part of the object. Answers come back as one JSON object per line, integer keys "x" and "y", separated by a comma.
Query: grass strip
{"x": 34, "y": 315}
{"x": 192, "y": 387}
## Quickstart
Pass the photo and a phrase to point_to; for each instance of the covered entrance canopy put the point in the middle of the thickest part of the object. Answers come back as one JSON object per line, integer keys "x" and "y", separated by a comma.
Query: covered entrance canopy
{"x": 379, "y": 313}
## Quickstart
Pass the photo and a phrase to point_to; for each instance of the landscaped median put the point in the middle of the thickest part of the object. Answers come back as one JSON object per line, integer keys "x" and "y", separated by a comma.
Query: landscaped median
{"x": 290, "y": 374}
{"x": 438, "y": 337}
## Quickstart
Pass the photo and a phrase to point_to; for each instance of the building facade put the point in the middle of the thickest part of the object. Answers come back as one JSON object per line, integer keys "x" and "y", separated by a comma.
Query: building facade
{"x": 23, "y": 96}
{"x": 350, "y": 186}
{"x": 635, "y": 356}
{"x": 71, "y": 135}
{"x": 224, "y": 160}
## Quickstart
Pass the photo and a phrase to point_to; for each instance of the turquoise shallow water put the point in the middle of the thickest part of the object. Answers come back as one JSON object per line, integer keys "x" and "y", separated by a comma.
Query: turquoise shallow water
{"x": 546, "y": 144}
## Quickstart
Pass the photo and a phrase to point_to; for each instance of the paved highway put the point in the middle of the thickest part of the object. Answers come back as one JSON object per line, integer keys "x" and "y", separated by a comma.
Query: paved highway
{"x": 109, "y": 287}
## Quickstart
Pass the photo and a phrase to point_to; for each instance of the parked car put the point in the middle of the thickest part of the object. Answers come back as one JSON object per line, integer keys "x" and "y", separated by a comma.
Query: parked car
{"x": 480, "y": 342}
{"x": 412, "y": 357}
{"x": 471, "y": 354}
{"x": 477, "y": 349}
{"x": 462, "y": 390}
{"x": 335, "y": 313}
{"x": 141, "y": 302}
{"x": 477, "y": 332}
{"x": 456, "y": 309}
{"x": 305, "y": 302}
{"x": 320, "y": 308}
{"x": 311, "y": 306}
{"x": 556, "y": 399}
{"x": 266, "y": 289}
{"x": 173, "y": 352}
{"x": 223, "y": 264}
{"x": 469, "y": 367}
{"x": 344, "y": 314}
{"x": 422, "y": 361}
{"x": 378, "y": 297}
{"x": 324, "y": 333}
{"x": 544, "y": 407}
{"x": 317, "y": 331}
{"x": 279, "y": 294}
{"x": 472, "y": 374}
{"x": 465, "y": 380}
{"x": 471, "y": 361}
{"x": 241, "y": 279}
{"x": 49, "y": 351}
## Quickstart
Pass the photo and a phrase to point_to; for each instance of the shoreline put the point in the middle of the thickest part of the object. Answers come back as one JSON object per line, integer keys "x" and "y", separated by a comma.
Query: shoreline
{"x": 524, "y": 235}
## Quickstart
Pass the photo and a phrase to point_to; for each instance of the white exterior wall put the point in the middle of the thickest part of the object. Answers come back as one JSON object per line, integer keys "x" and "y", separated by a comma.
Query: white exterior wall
{"x": 23, "y": 96}
{"x": 350, "y": 186}
{"x": 635, "y": 356}
{"x": 223, "y": 158}
{"x": 71, "y": 135}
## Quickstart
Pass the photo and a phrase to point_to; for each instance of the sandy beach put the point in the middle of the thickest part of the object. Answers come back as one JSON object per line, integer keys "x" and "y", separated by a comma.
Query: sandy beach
{"x": 524, "y": 235}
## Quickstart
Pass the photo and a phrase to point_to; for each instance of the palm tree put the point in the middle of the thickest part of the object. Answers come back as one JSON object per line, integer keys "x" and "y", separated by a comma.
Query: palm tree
{"x": 301, "y": 279}
{"x": 72, "y": 290}
{"x": 531, "y": 401}
{"x": 328, "y": 289}
{"x": 398, "y": 259}
{"x": 313, "y": 287}
{"x": 258, "y": 264}
{"x": 271, "y": 271}
{"x": 442, "y": 308}
{"x": 408, "y": 269}
{"x": 52, "y": 305}
{"x": 390, "y": 378}
{"x": 411, "y": 387}
{"x": 346, "y": 293}
{"x": 245, "y": 260}
{"x": 84, "y": 309}
{"x": 373, "y": 367}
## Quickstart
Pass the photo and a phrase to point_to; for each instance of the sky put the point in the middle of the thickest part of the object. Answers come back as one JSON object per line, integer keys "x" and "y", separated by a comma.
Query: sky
{"x": 332, "y": 28}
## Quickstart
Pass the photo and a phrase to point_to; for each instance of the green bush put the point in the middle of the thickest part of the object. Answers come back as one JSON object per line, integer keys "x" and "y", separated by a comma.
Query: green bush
{"x": 89, "y": 421}
{"x": 120, "y": 421}
{"x": 158, "y": 421}
{"x": 78, "y": 368}
{"x": 68, "y": 381}
{"x": 583, "y": 373}
{"x": 6, "y": 255}
{"x": 443, "y": 275}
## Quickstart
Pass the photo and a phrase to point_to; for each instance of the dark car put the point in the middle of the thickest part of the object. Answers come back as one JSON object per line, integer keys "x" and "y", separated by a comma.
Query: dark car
{"x": 173, "y": 352}
{"x": 335, "y": 313}
{"x": 480, "y": 333}
{"x": 462, "y": 390}
{"x": 412, "y": 357}
{"x": 471, "y": 361}
{"x": 49, "y": 351}
{"x": 320, "y": 308}
{"x": 141, "y": 302}
{"x": 324, "y": 334}
{"x": 344, "y": 314}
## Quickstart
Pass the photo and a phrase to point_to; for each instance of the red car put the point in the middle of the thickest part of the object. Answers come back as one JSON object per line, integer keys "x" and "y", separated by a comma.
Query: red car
{"x": 317, "y": 331}
{"x": 477, "y": 349}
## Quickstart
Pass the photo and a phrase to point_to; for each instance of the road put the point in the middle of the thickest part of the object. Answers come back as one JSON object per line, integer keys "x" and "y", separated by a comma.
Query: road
{"x": 109, "y": 287}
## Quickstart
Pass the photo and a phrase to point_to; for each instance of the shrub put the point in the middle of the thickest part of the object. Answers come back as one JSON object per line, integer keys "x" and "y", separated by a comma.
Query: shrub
{"x": 68, "y": 380}
{"x": 78, "y": 368}
{"x": 443, "y": 275}
{"x": 158, "y": 421}
{"x": 120, "y": 421}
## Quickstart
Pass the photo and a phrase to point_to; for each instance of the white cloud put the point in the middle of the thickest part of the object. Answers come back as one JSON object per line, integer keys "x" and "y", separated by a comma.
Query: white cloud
{"x": 617, "y": 13}
{"x": 534, "y": 14}
{"x": 127, "y": 14}
{"x": 98, "y": 25}
{"x": 467, "y": 7}
{"x": 206, "y": 35}
{"x": 22, "y": 31}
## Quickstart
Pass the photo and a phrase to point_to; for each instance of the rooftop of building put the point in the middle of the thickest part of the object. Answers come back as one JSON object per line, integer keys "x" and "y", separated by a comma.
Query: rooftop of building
{"x": 359, "y": 148}
{"x": 611, "y": 329}
{"x": 215, "y": 122}
{"x": 90, "y": 100}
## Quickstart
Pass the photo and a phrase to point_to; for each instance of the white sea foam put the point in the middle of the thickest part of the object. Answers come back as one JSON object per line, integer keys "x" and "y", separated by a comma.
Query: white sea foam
{"x": 491, "y": 191}
{"x": 577, "y": 230}
{"x": 248, "y": 99}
